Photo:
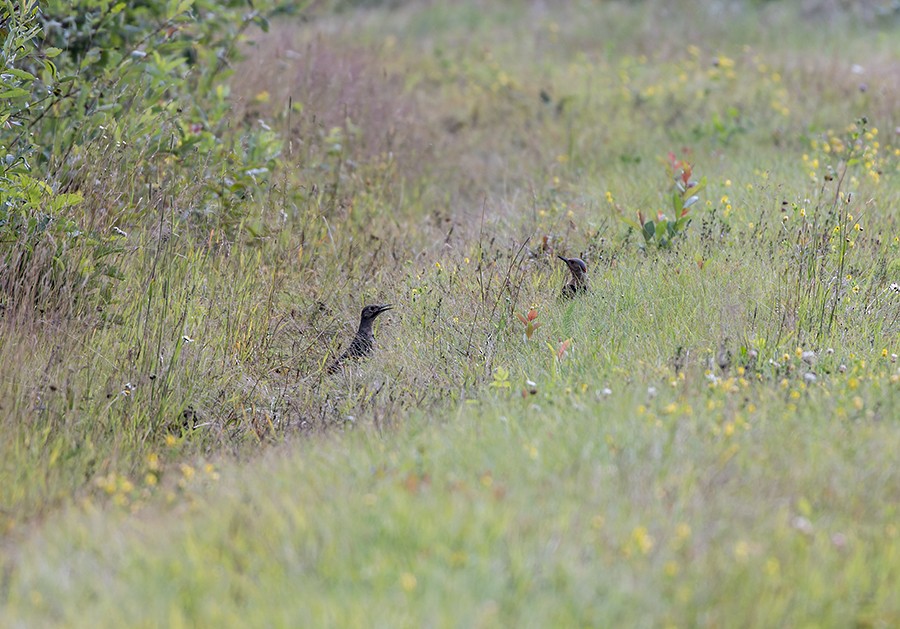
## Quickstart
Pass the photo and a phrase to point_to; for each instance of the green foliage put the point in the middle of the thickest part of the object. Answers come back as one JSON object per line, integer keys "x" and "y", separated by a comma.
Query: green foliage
{"x": 148, "y": 78}
{"x": 32, "y": 213}
{"x": 218, "y": 224}
{"x": 17, "y": 100}
{"x": 139, "y": 81}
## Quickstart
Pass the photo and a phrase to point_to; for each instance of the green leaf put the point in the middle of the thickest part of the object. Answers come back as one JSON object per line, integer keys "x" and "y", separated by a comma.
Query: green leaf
{"x": 649, "y": 230}
{"x": 661, "y": 229}
{"x": 175, "y": 8}
{"x": 677, "y": 203}
{"x": 61, "y": 201}
{"x": 16, "y": 92}
{"x": 262, "y": 22}
{"x": 50, "y": 68}
{"x": 697, "y": 188}
{"x": 25, "y": 76}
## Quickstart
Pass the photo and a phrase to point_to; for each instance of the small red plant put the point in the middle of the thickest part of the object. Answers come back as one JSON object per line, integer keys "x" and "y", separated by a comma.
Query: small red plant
{"x": 664, "y": 231}
{"x": 528, "y": 320}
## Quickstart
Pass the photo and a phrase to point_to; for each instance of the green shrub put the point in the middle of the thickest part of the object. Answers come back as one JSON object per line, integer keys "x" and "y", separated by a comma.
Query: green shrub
{"x": 94, "y": 87}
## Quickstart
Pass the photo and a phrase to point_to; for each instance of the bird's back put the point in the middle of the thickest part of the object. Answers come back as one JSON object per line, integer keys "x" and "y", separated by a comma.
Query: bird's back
{"x": 572, "y": 288}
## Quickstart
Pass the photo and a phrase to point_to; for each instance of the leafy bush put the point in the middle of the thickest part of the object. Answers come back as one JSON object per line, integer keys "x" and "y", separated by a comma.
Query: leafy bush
{"x": 93, "y": 86}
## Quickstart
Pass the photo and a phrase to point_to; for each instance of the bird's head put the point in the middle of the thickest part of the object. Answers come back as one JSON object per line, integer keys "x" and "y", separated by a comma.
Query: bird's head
{"x": 370, "y": 312}
{"x": 576, "y": 265}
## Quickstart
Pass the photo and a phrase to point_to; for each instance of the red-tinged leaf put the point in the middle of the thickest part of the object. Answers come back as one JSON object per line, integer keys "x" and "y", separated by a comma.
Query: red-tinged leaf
{"x": 522, "y": 318}
{"x": 532, "y": 314}
{"x": 673, "y": 161}
{"x": 535, "y": 326}
{"x": 563, "y": 348}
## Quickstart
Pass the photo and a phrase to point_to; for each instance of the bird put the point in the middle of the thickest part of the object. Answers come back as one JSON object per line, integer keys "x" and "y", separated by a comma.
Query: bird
{"x": 578, "y": 283}
{"x": 364, "y": 340}
{"x": 723, "y": 356}
{"x": 680, "y": 359}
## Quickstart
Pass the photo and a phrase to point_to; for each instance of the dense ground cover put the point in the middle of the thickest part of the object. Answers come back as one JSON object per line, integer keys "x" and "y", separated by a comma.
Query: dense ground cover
{"x": 174, "y": 453}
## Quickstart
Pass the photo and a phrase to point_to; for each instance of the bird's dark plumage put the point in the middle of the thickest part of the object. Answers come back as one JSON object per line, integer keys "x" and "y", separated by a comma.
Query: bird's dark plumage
{"x": 578, "y": 283}
{"x": 364, "y": 340}
{"x": 680, "y": 359}
{"x": 723, "y": 356}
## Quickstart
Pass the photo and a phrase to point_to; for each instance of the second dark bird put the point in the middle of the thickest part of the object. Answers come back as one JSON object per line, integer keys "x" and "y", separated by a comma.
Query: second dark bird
{"x": 578, "y": 283}
{"x": 364, "y": 340}
{"x": 723, "y": 356}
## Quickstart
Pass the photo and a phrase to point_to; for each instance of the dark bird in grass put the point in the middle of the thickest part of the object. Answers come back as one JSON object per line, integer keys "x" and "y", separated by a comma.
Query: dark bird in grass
{"x": 578, "y": 282}
{"x": 723, "y": 356}
{"x": 364, "y": 341}
{"x": 680, "y": 359}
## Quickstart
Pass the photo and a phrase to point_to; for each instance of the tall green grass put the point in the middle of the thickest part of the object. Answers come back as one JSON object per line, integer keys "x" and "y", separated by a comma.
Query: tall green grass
{"x": 174, "y": 453}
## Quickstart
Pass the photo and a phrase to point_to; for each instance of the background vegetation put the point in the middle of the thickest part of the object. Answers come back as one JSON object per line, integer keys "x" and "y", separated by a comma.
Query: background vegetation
{"x": 197, "y": 198}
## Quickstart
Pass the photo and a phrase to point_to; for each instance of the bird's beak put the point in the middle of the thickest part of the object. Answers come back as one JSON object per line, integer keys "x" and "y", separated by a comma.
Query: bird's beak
{"x": 566, "y": 260}
{"x": 385, "y": 307}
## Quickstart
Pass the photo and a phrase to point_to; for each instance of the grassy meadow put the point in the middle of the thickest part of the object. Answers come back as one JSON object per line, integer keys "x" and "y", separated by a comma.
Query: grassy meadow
{"x": 708, "y": 438}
